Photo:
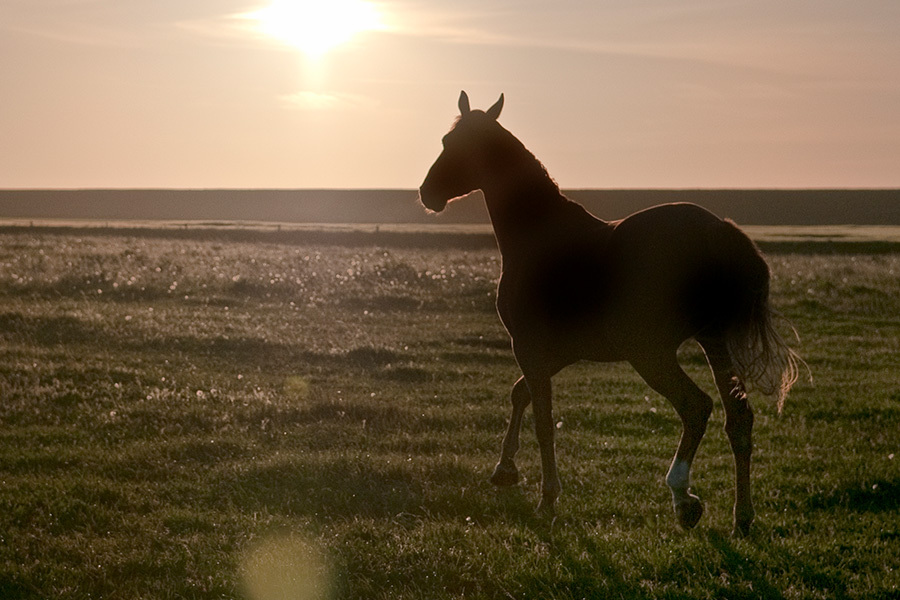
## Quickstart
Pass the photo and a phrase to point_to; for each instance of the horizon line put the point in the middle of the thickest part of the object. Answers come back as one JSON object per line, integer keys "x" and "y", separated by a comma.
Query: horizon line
{"x": 415, "y": 190}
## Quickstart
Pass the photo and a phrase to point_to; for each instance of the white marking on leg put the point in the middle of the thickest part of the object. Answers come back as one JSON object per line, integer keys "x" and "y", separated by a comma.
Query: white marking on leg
{"x": 679, "y": 480}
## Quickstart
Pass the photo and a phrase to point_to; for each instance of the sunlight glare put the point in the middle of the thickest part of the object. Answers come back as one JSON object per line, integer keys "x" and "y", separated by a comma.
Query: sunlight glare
{"x": 317, "y": 26}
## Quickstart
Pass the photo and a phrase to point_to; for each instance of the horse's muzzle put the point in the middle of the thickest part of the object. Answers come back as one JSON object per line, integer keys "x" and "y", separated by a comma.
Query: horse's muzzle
{"x": 431, "y": 201}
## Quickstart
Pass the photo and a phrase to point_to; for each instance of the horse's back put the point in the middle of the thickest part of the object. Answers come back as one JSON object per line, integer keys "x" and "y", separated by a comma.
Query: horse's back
{"x": 680, "y": 218}
{"x": 668, "y": 234}
{"x": 681, "y": 269}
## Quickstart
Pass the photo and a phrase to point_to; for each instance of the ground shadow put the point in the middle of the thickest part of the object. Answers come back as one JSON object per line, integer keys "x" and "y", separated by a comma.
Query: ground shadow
{"x": 344, "y": 488}
{"x": 46, "y": 331}
{"x": 741, "y": 568}
{"x": 878, "y": 495}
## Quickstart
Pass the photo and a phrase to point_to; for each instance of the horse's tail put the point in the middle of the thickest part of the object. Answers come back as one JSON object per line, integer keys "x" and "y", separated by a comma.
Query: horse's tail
{"x": 762, "y": 359}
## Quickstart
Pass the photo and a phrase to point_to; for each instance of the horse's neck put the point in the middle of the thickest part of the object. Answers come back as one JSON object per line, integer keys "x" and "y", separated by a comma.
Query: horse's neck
{"x": 527, "y": 215}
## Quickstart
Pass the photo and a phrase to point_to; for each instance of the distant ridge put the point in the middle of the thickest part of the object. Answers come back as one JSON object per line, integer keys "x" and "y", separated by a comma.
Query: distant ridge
{"x": 747, "y": 207}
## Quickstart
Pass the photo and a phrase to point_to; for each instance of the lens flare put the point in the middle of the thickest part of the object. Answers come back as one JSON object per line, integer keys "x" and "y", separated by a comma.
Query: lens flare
{"x": 285, "y": 567}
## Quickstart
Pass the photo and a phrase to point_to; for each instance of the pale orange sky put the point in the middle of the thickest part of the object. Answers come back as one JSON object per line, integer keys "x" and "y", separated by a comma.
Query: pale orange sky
{"x": 607, "y": 93}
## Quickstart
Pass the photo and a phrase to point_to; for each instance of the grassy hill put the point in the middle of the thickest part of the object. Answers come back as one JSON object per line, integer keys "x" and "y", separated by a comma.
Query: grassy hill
{"x": 222, "y": 418}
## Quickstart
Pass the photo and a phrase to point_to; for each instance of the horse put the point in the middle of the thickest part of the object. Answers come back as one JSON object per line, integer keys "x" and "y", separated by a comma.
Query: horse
{"x": 574, "y": 287}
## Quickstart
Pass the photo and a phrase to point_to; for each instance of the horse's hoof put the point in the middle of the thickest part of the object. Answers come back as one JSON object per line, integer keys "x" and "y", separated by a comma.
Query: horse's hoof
{"x": 743, "y": 518}
{"x": 689, "y": 512}
{"x": 505, "y": 476}
{"x": 741, "y": 528}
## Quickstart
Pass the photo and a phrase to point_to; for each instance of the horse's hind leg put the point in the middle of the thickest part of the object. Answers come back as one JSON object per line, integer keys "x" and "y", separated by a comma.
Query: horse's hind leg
{"x": 505, "y": 473}
{"x": 694, "y": 407}
{"x": 738, "y": 427}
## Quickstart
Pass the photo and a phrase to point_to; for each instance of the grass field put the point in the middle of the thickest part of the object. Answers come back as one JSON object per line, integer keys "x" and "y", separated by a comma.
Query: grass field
{"x": 216, "y": 418}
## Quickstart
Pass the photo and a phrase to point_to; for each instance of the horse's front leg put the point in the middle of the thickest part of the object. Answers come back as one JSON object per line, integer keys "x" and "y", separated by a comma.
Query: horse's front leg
{"x": 506, "y": 473}
{"x": 543, "y": 422}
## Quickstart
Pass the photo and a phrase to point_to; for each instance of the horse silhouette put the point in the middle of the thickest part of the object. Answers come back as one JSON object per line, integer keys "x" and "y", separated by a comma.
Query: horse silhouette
{"x": 574, "y": 287}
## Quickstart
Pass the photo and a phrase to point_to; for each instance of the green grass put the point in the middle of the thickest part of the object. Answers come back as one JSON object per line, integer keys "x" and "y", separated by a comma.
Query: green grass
{"x": 210, "y": 418}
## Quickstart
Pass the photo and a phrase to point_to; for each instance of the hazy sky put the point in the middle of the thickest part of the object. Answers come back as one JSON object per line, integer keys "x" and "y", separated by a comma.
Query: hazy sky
{"x": 607, "y": 93}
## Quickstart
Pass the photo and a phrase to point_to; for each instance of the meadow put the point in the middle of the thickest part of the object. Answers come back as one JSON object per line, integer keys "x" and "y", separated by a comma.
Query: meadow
{"x": 211, "y": 416}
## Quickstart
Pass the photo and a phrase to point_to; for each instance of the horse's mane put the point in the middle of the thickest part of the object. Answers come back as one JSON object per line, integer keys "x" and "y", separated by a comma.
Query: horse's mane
{"x": 531, "y": 164}
{"x": 522, "y": 160}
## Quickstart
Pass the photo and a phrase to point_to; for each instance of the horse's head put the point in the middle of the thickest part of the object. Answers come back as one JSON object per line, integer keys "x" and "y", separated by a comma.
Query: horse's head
{"x": 460, "y": 168}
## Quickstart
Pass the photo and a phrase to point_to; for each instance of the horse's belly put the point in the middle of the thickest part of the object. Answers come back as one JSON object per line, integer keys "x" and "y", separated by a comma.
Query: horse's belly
{"x": 560, "y": 338}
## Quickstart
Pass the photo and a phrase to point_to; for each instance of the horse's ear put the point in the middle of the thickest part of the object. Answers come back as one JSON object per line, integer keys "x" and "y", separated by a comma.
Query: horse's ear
{"x": 464, "y": 103}
{"x": 494, "y": 111}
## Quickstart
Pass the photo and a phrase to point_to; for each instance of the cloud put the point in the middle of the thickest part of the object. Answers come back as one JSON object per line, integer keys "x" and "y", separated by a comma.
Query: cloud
{"x": 82, "y": 35}
{"x": 75, "y": 26}
{"x": 319, "y": 101}
{"x": 229, "y": 29}
{"x": 763, "y": 37}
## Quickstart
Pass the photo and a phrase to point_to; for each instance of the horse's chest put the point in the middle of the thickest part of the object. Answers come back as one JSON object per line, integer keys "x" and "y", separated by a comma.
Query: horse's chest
{"x": 567, "y": 297}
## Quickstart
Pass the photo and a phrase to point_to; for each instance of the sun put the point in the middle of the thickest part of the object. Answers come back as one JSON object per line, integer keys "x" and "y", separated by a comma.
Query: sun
{"x": 316, "y": 26}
